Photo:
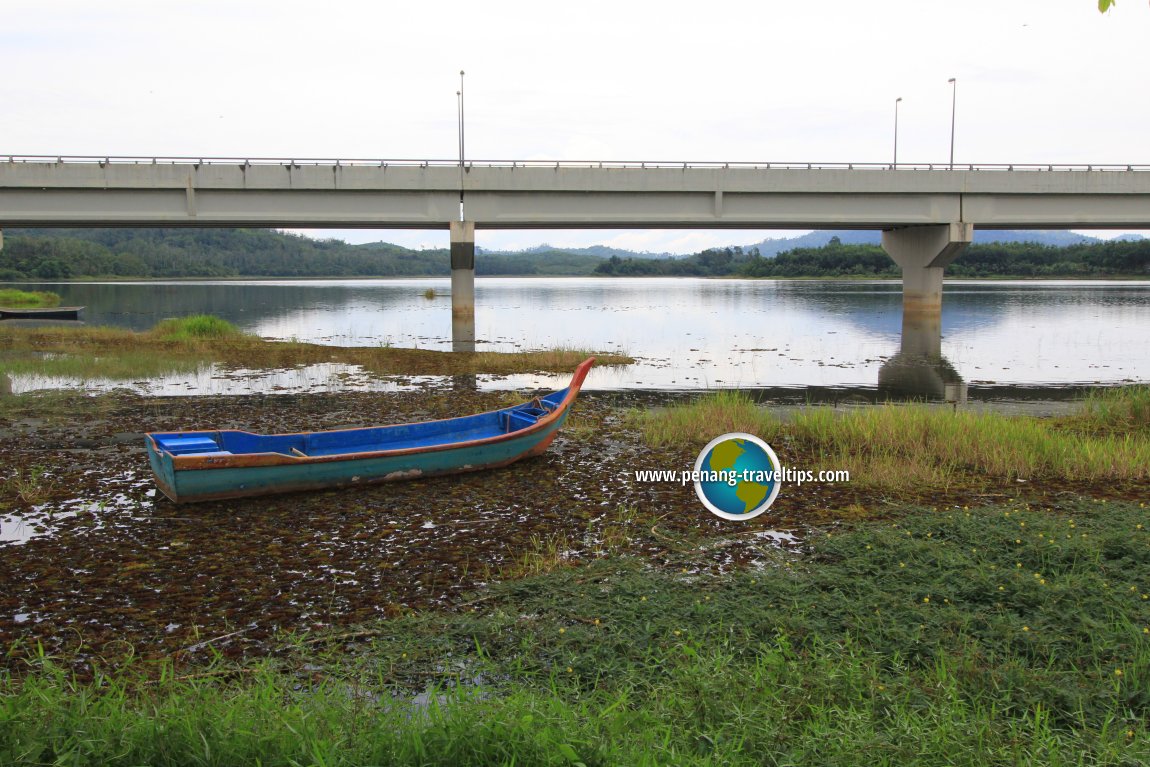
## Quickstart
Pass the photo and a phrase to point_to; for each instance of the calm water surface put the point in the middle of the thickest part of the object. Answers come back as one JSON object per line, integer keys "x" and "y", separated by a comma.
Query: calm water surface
{"x": 687, "y": 333}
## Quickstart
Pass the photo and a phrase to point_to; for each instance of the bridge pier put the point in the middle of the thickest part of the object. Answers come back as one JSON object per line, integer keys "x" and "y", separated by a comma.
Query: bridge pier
{"x": 923, "y": 253}
{"x": 463, "y": 286}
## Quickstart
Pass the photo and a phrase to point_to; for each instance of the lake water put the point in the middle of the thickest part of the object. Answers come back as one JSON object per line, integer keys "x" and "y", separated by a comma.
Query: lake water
{"x": 686, "y": 333}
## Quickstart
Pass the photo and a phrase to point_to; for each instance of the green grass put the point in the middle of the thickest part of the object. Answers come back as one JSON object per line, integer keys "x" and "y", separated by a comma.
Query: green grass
{"x": 181, "y": 343}
{"x": 902, "y": 447}
{"x": 700, "y": 421}
{"x": 995, "y": 636}
{"x": 197, "y": 327}
{"x": 28, "y": 299}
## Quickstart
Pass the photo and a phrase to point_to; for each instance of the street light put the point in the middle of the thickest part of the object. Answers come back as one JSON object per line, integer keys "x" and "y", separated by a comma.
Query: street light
{"x": 459, "y": 98}
{"x": 895, "y": 165}
{"x": 953, "y": 103}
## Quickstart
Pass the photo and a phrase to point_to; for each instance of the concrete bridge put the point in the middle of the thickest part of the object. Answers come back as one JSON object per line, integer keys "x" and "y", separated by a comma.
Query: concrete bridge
{"x": 927, "y": 213}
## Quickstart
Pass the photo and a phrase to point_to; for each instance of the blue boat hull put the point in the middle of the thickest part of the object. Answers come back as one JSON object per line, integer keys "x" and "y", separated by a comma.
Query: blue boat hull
{"x": 213, "y": 465}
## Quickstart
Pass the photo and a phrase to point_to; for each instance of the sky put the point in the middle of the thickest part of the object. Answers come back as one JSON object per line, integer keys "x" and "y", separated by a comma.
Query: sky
{"x": 1038, "y": 81}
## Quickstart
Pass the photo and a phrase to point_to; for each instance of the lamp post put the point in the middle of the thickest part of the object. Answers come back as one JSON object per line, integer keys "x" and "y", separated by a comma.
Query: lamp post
{"x": 459, "y": 98}
{"x": 895, "y": 164}
{"x": 953, "y": 103}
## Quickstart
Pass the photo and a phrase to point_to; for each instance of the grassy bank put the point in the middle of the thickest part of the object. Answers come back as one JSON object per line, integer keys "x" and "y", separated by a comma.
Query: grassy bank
{"x": 1006, "y": 635}
{"x": 904, "y": 447}
{"x": 25, "y": 299}
{"x": 181, "y": 344}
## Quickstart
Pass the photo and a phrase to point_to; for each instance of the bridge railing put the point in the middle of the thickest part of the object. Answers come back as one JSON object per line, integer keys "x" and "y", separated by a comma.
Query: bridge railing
{"x": 298, "y": 162}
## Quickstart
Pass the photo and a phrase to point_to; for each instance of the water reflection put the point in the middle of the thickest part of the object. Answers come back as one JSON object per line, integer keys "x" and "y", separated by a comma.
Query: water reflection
{"x": 919, "y": 370}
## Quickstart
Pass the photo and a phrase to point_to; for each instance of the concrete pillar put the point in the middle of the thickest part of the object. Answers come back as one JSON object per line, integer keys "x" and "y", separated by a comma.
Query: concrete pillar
{"x": 463, "y": 286}
{"x": 923, "y": 252}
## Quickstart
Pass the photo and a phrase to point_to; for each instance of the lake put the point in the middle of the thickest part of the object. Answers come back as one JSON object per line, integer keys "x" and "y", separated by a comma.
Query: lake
{"x": 687, "y": 333}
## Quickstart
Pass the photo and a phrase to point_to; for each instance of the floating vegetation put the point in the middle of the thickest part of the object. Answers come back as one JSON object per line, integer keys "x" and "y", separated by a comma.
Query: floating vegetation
{"x": 429, "y": 293}
{"x": 28, "y": 299}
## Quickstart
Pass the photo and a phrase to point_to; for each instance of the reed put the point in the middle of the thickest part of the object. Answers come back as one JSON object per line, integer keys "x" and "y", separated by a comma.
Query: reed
{"x": 700, "y": 421}
{"x": 912, "y": 446}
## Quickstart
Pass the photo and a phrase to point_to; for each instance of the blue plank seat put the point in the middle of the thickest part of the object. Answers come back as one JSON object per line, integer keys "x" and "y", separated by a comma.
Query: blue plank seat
{"x": 522, "y": 417}
{"x": 197, "y": 445}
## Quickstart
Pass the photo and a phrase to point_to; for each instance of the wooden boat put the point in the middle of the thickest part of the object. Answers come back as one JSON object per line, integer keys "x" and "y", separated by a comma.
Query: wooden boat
{"x": 210, "y": 465}
{"x": 52, "y": 313}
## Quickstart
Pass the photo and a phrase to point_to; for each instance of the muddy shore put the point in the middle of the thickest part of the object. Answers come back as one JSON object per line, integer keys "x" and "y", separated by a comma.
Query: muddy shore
{"x": 95, "y": 562}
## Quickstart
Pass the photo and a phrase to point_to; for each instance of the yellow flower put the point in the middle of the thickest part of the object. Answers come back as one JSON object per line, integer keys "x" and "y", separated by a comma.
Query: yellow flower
{"x": 926, "y": 599}
{"x": 1026, "y": 628}
{"x": 562, "y": 630}
{"x": 1022, "y": 524}
{"x": 1018, "y": 540}
{"x": 677, "y": 632}
{"x": 596, "y": 621}
{"x": 570, "y": 670}
{"x": 1002, "y": 588}
{"x": 642, "y": 599}
{"x": 1117, "y": 672}
{"x": 902, "y": 564}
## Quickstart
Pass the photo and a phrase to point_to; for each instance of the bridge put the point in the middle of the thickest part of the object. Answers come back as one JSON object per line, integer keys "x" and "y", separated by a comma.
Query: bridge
{"x": 927, "y": 213}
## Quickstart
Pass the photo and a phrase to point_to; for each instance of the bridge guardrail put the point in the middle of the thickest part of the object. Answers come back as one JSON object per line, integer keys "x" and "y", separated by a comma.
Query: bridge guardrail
{"x": 558, "y": 164}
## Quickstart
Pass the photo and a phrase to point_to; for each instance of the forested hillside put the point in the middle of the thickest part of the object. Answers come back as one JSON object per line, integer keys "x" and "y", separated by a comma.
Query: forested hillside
{"x": 157, "y": 253}
{"x": 999, "y": 259}
{"x": 45, "y": 254}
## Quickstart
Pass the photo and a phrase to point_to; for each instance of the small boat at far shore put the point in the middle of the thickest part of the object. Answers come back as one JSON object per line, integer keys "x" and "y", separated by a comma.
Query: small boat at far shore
{"x": 52, "y": 313}
{"x": 212, "y": 465}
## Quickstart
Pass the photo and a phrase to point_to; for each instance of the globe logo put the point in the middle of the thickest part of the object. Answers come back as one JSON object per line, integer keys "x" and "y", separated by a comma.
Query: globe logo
{"x": 737, "y": 476}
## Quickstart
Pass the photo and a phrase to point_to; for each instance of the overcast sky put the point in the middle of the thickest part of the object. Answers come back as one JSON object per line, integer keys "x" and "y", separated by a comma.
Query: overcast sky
{"x": 1039, "y": 81}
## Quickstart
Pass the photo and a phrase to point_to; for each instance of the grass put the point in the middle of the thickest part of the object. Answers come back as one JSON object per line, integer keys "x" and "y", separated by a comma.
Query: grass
{"x": 181, "y": 344}
{"x": 197, "y": 327}
{"x": 902, "y": 447}
{"x": 997, "y": 636}
{"x": 31, "y": 485}
{"x": 11, "y": 297}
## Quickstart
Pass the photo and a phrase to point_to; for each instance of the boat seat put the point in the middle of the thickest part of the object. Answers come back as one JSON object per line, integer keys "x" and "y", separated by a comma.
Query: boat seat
{"x": 186, "y": 445}
{"x": 522, "y": 418}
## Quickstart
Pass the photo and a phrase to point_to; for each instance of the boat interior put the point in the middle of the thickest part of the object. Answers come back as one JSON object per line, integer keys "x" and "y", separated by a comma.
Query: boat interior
{"x": 372, "y": 439}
